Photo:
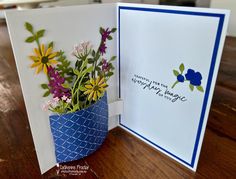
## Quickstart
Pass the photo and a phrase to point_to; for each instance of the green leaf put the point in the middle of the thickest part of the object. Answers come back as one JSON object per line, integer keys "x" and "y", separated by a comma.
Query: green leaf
{"x": 61, "y": 53}
{"x": 47, "y": 93}
{"x": 75, "y": 107}
{"x": 93, "y": 53}
{"x": 181, "y": 68}
{"x": 113, "y": 30}
{"x": 66, "y": 85}
{"x": 98, "y": 68}
{"x": 40, "y": 33}
{"x": 64, "y": 68}
{"x": 29, "y": 27}
{"x": 90, "y": 61}
{"x": 110, "y": 74}
{"x": 76, "y": 72}
{"x": 50, "y": 45}
{"x": 191, "y": 87}
{"x": 30, "y": 39}
{"x": 109, "y": 37}
{"x": 100, "y": 63}
{"x": 81, "y": 88}
{"x": 101, "y": 30}
{"x": 111, "y": 66}
{"x": 176, "y": 73}
{"x": 112, "y": 58}
{"x": 78, "y": 64}
{"x": 88, "y": 70}
{"x": 44, "y": 86}
{"x": 200, "y": 88}
{"x": 100, "y": 73}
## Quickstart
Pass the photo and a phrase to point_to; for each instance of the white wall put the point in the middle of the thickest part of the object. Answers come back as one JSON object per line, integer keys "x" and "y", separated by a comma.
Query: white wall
{"x": 231, "y": 5}
{"x": 203, "y": 3}
{"x": 133, "y": 1}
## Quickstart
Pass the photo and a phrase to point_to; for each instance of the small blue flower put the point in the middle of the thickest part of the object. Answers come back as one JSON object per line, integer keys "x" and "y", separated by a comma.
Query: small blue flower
{"x": 180, "y": 78}
{"x": 194, "y": 77}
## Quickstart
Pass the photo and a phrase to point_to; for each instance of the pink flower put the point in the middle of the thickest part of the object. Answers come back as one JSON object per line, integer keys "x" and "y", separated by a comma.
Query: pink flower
{"x": 78, "y": 48}
{"x": 68, "y": 100}
{"x": 49, "y": 102}
{"x": 86, "y": 45}
{"x": 54, "y": 104}
{"x": 82, "y": 49}
{"x": 56, "y": 99}
{"x": 45, "y": 107}
{"x": 64, "y": 98}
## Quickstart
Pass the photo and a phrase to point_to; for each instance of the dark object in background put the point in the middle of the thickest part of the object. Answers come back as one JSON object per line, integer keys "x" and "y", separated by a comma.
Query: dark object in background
{"x": 189, "y": 3}
{"x": 7, "y": 7}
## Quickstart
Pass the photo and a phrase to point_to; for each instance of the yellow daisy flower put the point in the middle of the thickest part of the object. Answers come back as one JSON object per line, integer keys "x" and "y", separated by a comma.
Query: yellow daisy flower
{"x": 43, "y": 59}
{"x": 95, "y": 88}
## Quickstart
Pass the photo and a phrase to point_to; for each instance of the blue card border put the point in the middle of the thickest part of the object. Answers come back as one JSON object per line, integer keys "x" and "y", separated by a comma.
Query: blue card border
{"x": 209, "y": 81}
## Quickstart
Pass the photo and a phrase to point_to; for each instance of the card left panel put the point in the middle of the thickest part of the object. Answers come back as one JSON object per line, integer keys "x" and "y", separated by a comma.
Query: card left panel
{"x": 64, "y": 26}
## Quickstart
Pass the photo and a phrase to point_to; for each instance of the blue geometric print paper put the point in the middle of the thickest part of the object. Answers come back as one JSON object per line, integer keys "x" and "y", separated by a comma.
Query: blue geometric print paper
{"x": 77, "y": 135}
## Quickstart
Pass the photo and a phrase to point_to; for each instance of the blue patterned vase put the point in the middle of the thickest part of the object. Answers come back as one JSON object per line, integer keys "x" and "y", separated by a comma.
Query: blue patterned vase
{"x": 77, "y": 135}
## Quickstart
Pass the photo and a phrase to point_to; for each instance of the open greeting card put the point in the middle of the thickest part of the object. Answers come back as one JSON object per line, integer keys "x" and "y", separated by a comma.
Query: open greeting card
{"x": 164, "y": 75}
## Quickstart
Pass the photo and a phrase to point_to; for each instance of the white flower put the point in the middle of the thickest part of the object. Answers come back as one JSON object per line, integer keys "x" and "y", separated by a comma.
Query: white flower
{"x": 85, "y": 44}
{"x": 64, "y": 98}
{"x": 73, "y": 53}
{"x": 54, "y": 103}
{"x": 68, "y": 100}
{"x": 56, "y": 99}
{"x": 78, "y": 48}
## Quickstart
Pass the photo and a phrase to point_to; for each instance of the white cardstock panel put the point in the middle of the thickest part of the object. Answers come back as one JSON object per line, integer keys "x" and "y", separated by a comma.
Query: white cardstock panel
{"x": 152, "y": 44}
{"x": 65, "y": 26}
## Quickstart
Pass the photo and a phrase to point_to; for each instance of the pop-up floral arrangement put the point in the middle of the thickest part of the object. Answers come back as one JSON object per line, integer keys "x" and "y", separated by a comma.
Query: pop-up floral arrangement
{"x": 79, "y": 101}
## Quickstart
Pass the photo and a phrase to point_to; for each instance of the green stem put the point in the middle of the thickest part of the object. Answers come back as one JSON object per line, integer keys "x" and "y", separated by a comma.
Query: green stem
{"x": 73, "y": 90}
{"x": 37, "y": 41}
{"x": 96, "y": 60}
{"x": 74, "y": 86}
{"x": 174, "y": 84}
{"x": 78, "y": 91}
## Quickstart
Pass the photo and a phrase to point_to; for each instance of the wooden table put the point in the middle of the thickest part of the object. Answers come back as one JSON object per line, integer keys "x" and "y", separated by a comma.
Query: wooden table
{"x": 122, "y": 155}
{"x": 23, "y": 4}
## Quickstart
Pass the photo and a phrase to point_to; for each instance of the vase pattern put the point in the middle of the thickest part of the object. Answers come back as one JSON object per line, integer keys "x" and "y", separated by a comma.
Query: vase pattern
{"x": 78, "y": 134}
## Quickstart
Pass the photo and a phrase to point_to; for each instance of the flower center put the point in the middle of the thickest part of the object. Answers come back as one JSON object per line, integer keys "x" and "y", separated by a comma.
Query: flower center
{"x": 45, "y": 60}
{"x": 96, "y": 88}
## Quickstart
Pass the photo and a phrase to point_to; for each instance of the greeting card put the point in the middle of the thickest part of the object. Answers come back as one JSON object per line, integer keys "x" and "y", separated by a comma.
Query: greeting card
{"x": 160, "y": 85}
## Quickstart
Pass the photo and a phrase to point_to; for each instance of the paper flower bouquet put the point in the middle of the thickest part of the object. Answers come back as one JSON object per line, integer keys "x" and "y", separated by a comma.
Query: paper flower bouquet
{"x": 79, "y": 122}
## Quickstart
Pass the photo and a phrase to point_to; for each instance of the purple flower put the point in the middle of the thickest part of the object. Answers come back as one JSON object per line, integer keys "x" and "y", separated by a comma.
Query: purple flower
{"x": 102, "y": 48}
{"x": 55, "y": 84}
{"x": 194, "y": 77}
{"x": 105, "y": 34}
{"x": 105, "y": 65}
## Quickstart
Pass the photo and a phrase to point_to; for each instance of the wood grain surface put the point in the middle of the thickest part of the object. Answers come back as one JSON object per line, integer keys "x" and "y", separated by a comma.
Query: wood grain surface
{"x": 122, "y": 155}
